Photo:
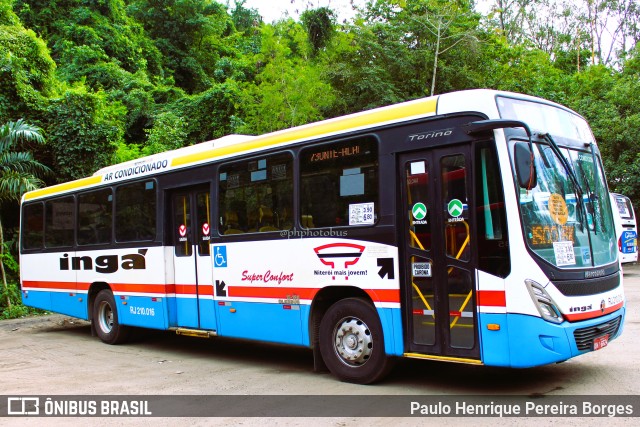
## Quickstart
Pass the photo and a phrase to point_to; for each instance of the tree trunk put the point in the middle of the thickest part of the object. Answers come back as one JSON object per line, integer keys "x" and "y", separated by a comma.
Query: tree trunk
{"x": 4, "y": 275}
{"x": 435, "y": 61}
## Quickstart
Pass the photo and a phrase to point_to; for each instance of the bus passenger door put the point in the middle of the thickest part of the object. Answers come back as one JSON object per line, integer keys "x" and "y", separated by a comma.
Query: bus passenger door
{"x": 191, "y": 210}
{"x": 436, "y": 225}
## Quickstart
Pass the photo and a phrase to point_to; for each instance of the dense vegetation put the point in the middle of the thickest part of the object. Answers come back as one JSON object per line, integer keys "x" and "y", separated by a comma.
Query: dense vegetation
{"x": 111, "y": 80}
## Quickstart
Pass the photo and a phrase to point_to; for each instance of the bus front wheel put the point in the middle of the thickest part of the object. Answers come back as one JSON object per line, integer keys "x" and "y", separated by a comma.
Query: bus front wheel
{"x": 105, "y": 319}
{"x": 352, "y": 343}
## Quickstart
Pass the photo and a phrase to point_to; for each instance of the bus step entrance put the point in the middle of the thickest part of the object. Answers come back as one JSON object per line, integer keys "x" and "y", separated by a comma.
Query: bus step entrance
{"x": 195, "y": 333}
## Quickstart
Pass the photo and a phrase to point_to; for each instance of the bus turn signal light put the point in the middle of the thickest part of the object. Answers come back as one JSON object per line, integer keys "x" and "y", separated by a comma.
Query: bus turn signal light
{"x": 493, "y": 327}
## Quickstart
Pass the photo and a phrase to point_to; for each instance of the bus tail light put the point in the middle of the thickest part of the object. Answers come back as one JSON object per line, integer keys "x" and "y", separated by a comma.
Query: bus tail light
{"x": 543, "y": 301}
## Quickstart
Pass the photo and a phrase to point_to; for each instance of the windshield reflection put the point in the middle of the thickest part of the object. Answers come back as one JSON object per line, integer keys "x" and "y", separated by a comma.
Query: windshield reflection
{"x": 567, "y": 216}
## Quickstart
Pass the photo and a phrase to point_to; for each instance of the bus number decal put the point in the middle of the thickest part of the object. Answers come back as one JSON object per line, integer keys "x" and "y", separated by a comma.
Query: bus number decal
{"x": 142, "y": 311}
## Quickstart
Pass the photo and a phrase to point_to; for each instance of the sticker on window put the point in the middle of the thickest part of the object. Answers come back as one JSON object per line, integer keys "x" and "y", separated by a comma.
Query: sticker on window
{"x": 421, "y": 269}
{"x": 558, "y": 209}
{"x": 564, "y": 253}
{"x": 361, "y": 214}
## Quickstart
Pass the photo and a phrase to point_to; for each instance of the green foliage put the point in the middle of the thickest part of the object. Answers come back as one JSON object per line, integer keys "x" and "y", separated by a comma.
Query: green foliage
{"x": 19, "y": 171}
{"x": 168, "y": 133}
{"x": 16, "y": 310}
{"x": 319, "y": 24}
{"x": 244, "y": 19}
{"x": 291, "y": 91}
{"x": 84, "y": 130}
{"x": 189, "y": 33}
{"x": 26, "y": 70}
{"x": 7, "y": 16}
{"x": 18, "y": 174}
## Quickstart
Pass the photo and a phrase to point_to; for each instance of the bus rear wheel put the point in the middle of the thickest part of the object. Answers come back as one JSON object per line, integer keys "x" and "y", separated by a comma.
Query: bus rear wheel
{"x": 352, "y": 343}
{"x": 105, "y": 319}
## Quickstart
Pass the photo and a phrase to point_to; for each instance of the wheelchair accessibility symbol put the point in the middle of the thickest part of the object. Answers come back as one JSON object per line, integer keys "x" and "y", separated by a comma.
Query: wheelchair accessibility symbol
{"x": 220, "y": 256}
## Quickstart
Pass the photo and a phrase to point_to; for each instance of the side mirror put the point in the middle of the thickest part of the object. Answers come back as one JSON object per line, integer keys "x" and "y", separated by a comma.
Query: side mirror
{"x": 525, "y": 169}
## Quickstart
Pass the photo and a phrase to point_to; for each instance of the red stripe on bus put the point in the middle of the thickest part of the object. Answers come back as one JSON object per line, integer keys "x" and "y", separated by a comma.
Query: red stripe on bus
{"x": 49, "y": 285}
{"x": 186, "y": 289}
{"x": 262, "y": 292}
{"x": 492, "y": 298}
{"x": 116, "y": 287}
{"x": 377, "y": 295}
{"x": 574, "y": 317}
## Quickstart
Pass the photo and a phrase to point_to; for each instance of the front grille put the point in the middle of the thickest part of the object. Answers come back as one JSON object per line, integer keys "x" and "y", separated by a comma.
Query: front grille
{"x": 584, "y": 337}
{"x": 588, "y": 286}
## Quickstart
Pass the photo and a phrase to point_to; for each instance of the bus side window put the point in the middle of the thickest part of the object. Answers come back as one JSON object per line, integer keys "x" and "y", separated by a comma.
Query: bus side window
{"x": 59, "y": 222}
{"x": 136, "y": 212}
{"x": 95, "y": 217}
{"x": 338, "y": 179}
{"x": 33, "y": 226}
{"x": 256, "y": 195}
{"x": 491, "y": 217}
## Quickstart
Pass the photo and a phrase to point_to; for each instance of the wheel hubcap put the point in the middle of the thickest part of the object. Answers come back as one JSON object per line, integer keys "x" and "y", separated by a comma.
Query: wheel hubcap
{"x": 105, "y": 317}
{"x": 353, "y": 342}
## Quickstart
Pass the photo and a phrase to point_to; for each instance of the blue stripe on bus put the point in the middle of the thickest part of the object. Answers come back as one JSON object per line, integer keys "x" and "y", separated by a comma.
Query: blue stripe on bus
{"x": 69, "y": 303}
{"x": 391, "y": 320}
{"x": 187, "y": 312}
{"x": 37, "y": 299}
{"x": 524, "y": 341}
{"x": 261, "y": 321}
{"x": 142, "y": 311}
{"x": 208, "y": 314}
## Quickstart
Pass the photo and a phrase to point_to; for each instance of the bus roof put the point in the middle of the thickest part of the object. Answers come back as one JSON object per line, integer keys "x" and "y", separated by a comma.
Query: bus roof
{"x": 231, "y": 145}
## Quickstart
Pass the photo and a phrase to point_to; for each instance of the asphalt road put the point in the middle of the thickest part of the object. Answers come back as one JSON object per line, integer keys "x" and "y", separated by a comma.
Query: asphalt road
{"x": 56, "y": 355}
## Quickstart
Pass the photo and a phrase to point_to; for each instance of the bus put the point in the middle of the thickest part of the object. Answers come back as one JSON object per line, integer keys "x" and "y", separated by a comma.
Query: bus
{"x": 624, "y": 219}
{"x": 472, "y": 227}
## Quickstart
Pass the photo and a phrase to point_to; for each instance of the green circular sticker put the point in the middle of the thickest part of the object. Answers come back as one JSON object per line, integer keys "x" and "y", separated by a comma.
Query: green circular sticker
{"x": 455, "y": 208}
{"x": 419, "y": 211}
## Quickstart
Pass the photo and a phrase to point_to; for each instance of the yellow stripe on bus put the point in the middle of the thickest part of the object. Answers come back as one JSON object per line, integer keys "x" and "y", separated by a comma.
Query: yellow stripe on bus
{"x": 73, "y": 185}
{"x": 417, "y": 108}
{"x": 444, "y": 358}
{"x": 328, "y": 127}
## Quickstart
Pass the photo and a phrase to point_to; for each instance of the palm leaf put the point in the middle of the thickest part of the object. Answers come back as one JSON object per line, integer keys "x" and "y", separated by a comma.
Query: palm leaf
{"x": 14, "y": 184}
{"x": 11, "y": 133}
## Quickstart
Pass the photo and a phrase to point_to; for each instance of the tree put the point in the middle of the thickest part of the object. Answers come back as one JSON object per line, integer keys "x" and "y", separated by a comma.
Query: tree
{"x": 19, "y": 172}
{"x": 447, "y": 23}
{"x": 319, "y": 24}
{"x": 27, "y": 72}
{"x": 84, "y": 129}
{"x": 291, "y": 90}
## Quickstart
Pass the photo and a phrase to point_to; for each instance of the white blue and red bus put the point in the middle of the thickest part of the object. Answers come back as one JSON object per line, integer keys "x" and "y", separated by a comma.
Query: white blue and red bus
{"x": 444, "y": 228}
{"x": 624, "y": 219}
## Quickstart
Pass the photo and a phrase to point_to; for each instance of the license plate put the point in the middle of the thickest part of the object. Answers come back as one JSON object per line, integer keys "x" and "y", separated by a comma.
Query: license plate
{"x": 600, "y": 342}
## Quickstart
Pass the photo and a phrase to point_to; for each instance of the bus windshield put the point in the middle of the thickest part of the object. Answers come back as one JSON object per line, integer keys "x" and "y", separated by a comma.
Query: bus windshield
{"x": 567, "y": 216}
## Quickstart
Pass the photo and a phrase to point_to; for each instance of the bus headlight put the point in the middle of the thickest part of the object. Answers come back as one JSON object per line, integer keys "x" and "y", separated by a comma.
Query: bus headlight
{"x": 543, "y": 301}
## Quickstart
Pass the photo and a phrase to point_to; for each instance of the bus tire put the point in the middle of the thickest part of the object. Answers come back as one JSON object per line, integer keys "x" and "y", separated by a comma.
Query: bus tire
{"x": 105, "y": 319}
{"x": 352, "y": 343}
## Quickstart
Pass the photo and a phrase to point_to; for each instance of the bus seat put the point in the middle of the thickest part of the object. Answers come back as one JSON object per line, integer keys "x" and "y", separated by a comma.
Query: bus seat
{"x": 231, "y": 223}
{"x": 265, "y": 216}
{"x": 307, "y": 221}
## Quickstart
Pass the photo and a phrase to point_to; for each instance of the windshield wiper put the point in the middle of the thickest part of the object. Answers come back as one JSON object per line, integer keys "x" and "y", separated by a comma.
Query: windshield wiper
{"x": 590, "y": 196}
{"x": 570, "y": 172}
